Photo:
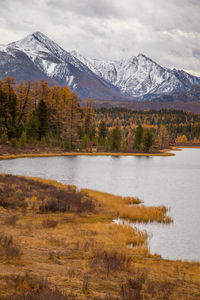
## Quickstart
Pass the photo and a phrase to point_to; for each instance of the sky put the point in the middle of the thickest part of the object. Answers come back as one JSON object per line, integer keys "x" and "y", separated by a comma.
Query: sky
{"x": 166, "y": 31}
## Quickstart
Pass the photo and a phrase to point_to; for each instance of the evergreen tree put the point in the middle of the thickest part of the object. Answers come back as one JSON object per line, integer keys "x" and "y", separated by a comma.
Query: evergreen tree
{"x": 43, "y": 119}
{"x": 92, "y": 133}
{"x": 22, "y": 140}
{"x": 138, "y": 138}
{"x": 147, "y": 140}
{"x": 8, "y": 111}
{"x": 33, "y": 127}
{"x": 115, "y": 139}
{"x": 102, "y": 132}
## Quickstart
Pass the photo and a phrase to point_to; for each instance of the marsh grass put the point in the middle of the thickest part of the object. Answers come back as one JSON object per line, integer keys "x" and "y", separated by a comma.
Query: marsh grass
{"x": 136, "y": 213}
{"x": 85, "y": 252}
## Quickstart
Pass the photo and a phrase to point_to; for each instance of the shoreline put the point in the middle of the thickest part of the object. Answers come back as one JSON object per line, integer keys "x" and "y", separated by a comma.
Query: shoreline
{"x": 164, "y": 152}
{"x": 15, "y": 156}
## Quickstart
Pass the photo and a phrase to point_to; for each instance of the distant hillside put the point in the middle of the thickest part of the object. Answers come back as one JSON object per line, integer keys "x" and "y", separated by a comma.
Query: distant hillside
{"x": 191, "y": 95}
{"x": 193, "y": 106}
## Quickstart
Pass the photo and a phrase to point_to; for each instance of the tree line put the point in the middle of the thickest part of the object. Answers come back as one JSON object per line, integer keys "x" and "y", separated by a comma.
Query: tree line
{"x": 35, "y": 113}
{"x": 164, "y": 124}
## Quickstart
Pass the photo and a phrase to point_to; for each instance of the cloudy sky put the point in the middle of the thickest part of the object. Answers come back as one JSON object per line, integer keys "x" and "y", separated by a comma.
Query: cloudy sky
{"x": 166, "y": 31}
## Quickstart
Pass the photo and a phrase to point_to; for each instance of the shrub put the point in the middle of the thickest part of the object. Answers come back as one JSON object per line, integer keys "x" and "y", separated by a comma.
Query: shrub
{"x": 51, "y": 198}
{"x": 13, "y": 142}
{"x": 13, "y": 251}
{"x": 9, "y": 249}
{"x": 49, "y": 223}
{"x": 43, "y": 295}
{"x": 66, "y": 145}
{"x": 12, "y": 220}
{"x": 67, "y": 201}
{"x": 85, "y": 286}
{"x": 132, "y": 289}
{"x": 22, "y": 139}
{"x": 110, "y": 260}
{"x": 32, "y": 287}
{"x": 3, "y": 138}
{"x": 43, "y": 141}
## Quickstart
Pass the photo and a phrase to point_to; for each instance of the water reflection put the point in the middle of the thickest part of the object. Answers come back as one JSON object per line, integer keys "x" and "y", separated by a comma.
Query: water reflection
{"x": 170, "y": 181}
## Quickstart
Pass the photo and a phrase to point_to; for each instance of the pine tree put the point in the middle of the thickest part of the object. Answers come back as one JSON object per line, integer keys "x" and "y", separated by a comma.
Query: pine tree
{"x": 102, "y": 132}
{"x": 115, "y": 139}
{"x": 43, "y": 119}
{"x": 138, "y": 138}
{"x": 32, "y": 129}
{"x": 147, "y": 140}
{"x": 8, "y": 107}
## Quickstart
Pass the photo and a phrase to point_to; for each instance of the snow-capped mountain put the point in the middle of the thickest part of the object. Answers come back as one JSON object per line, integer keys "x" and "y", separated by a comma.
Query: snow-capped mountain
{"x": 139, "y": 76}
{"x": 53, "y": 62}
{"x": 36, "y": 57}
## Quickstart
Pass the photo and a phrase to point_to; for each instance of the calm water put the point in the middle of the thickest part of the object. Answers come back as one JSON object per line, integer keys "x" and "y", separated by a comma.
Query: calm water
{"x": 170, "y": 181}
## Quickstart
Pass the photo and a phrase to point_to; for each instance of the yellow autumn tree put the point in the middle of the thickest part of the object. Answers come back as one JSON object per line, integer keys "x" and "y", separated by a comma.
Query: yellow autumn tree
{"x": 182, "y": 139}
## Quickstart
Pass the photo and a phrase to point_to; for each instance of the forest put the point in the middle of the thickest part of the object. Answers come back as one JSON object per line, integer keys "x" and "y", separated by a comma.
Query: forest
{"x": 34, "y": 113}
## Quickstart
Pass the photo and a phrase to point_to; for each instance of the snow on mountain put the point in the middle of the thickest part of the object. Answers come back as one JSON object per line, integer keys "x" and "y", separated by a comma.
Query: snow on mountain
{"x": 48, "y": 55}
{"x": 36, "y": 56}
{"x": 140, "y": 76}
{"x": 59, "y": 65}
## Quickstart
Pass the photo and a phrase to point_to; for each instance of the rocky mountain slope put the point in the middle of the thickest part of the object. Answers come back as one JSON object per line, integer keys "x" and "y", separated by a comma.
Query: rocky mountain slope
{"x": 140, "y": 78}
{"x": 36, "y": 57}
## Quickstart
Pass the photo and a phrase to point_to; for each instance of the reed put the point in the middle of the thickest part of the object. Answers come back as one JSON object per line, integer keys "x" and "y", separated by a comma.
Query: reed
{"x": 137, "y": 213}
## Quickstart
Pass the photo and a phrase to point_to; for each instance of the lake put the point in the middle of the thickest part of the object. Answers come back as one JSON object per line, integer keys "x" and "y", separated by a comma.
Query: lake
{"x": 172, "y": 181}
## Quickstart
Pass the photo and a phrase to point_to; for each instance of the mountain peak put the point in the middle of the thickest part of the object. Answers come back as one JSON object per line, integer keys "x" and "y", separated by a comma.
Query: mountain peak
{"x": 37, "y": 41}
{"x": 137, "y": 76}
{"x": 38, "y": 34}
{"x": 144, "y": 57}
{"x": 141, "y": 55}
{"x": 31, "y": 41}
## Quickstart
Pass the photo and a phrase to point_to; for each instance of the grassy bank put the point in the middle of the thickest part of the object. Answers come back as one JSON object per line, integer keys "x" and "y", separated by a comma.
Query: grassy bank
{"x": 57, "y": 242}
{"x": 13, "y": 156}
{"x": 120, "y": 207}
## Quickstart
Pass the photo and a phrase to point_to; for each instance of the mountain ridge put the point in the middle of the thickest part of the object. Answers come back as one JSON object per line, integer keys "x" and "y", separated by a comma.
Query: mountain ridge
{"x": 139, "y": 76}
{"x": 136, "y": 78}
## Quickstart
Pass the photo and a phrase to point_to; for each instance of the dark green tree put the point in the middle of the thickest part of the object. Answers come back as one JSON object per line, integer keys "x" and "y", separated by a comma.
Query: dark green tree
{"x": 115, "y": 139}
{"x": 32, "y": 129}
{"x": 43, "y": 119}
{"x": 102, "y": 132}
{"x": 9, "y": 112}
{"x": 138, "y": 138}
{"x": 147, "y": 140}
{"x": 92, "y": 133}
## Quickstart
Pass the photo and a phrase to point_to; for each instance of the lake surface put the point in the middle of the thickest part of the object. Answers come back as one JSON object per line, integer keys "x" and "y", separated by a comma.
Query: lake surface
{"x": 172, "y": 181}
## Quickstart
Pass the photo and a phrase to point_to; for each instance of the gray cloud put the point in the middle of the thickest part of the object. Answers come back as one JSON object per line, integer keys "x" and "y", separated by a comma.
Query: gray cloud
{"x": 166, "y": 31}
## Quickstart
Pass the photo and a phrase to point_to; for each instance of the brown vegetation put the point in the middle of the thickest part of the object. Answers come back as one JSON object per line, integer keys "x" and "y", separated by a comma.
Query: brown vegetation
{"x": 80, "y": 254}
{"x": 121, "y": 207}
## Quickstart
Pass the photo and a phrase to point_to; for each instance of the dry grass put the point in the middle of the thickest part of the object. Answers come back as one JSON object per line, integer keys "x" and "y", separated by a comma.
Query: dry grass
{"x": 42, "y": 196}
{"x": 84, "y": 256}
{"x": 14, "y": 156}
{"x": 119, "y": 206}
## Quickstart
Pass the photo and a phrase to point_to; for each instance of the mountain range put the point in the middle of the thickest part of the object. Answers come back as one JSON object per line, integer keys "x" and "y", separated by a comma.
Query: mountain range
{"x": 138, "y": 78}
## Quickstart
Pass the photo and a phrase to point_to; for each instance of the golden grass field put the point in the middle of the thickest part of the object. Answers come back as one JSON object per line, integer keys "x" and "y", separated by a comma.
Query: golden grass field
{"x": 57, "y": 242}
